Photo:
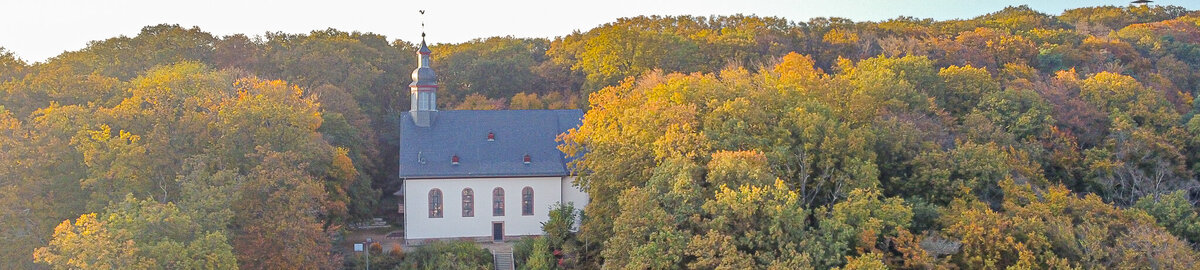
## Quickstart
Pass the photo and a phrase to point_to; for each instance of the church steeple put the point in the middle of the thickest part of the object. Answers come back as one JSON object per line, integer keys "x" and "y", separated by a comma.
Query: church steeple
{"x": 424, "y": 85}
{"x": 423, "y": 89}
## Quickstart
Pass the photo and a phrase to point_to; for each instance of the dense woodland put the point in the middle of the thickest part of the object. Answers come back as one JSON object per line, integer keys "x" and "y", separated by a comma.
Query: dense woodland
{"x": 1014, "y": 139}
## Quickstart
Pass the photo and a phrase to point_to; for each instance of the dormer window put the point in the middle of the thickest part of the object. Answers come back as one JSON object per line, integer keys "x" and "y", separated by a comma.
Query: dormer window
{"x": 491, "y": 137}
{"x": 454, "y": 160}
{"x": 527, "y": 159}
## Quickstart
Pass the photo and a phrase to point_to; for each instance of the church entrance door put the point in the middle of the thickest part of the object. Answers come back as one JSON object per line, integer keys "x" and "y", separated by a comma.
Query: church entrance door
{"x": 498, "y": 231}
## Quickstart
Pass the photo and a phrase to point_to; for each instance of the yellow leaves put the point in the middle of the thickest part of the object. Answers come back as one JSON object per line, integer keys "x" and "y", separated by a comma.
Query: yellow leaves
{"x": 680, "y": 140}
{"x": 116, "y": 165}
{"x": 135, "y": 234}
{"x": 1120, "y": 94}
{"x": 797, "y": 70}
{"x": 868, "y": 261}
{"x": 865, "y": 210}
{"x": 964, "y": 88}
{"x": 87, "y": 244}
{"x": 162, "y": 78}
{"x": 278, "y": 89}
{"x": 749, "y": 200}
{"x": 1106, "y": 89}
{"x": 87, "y": 225}
{"x": 739, "y": 167}
{"x": 125, "y": 135}
{"x": 269, "y": 105}
{"x": 1187, "y": 98}
{"x": 102, "y": 140}
{"x": 247, "y": 83}
{"x": 101, "y": 135}
{"x": 1066, "y": 75}
{"x": 840, "y": 37}
{"x": 11, "y": 133}
{"x": 1041, "y": 228}
{"x": 479, "y": 102}
{"x": 526, "y": 101}
{"x": 744, "y": 196}
{"x": 657, "y": 117}
{"x": 343, "y": 167}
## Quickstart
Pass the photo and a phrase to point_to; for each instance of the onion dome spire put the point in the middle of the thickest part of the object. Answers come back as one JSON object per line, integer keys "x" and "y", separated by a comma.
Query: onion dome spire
{"x": 424, "y": 85}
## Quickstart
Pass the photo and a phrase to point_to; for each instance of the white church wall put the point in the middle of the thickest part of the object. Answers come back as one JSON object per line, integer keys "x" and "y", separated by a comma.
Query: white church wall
{"x": 418, "y": 224}
{"x": 571, "y": 193}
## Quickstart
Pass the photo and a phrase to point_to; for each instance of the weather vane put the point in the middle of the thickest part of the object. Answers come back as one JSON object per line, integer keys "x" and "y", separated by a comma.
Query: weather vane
{"x": 422, "y": 24}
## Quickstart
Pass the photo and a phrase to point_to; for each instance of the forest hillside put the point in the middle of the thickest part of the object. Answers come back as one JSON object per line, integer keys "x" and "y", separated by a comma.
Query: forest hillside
{"x": 1013, "y": 139}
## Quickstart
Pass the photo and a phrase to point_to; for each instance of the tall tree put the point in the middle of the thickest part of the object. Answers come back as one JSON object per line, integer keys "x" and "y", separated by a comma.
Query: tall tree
{"x": 279, "y": 213}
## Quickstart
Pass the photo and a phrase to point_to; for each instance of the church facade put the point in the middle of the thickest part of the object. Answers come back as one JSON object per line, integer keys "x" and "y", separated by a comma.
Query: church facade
{"x": 479, "y": 175}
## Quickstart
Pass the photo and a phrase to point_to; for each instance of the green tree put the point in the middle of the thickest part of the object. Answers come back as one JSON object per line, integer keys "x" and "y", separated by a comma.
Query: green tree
{"x": 115, "y": 165}
{"x": 1175, "y": 213}
{"x": 207, "y": 194}
{"x": 1115, "y": 93}
{"x": 540, "y": 258}
{"x": 479, "y": 102}
{"x": 752, "y": 227}
{"x": 1054, "y": 228}
{"x": 560, "y": 225}
{"x": 279, "y": 198}
{"x": 647, "y": 231}
{"x": 1020, "y": 112}
{"x": 826, "y": 158}
{"x": 893, "y": 83}
{"x": 360, "y": 80}
{"x": 448, "y": 255}
{"x": 964, "y": 88}
{"x": 859, "y": 225}
{"x": 88, "y": 244}
{"x": 970, "y": 167}
{"x": 623, "y": 49}
{"x": 11, "y": 66}
{"x": 137, "y": 233}
{"x": 738, "y": 168}
{"x": 1136, "y": 162}
{"x": 40, "y": 188}
{"x": 495, "y": 67}
{"x": 523, "y": 101}
{"x": 125, "y": 57}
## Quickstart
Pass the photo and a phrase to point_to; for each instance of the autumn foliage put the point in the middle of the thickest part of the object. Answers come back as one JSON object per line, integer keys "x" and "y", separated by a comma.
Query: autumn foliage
{"x": 1014, "y": 139}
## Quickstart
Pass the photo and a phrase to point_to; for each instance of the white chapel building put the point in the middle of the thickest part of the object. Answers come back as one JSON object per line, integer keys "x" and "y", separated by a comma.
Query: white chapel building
{"x": 479, "y": 175}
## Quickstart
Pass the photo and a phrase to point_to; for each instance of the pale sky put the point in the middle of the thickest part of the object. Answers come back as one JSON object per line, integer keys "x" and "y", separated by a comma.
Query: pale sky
{"x": 39, "y": 29}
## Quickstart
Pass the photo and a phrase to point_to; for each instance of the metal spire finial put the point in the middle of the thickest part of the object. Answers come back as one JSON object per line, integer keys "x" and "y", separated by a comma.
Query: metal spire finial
{"x": 422, "y": 25}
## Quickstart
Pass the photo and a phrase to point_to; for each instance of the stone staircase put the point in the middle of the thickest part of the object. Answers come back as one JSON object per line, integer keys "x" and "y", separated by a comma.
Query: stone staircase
{"x": 503, "y": 261}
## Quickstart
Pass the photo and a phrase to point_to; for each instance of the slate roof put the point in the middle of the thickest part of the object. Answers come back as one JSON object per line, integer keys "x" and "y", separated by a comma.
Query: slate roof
{"x": 426, "y": 152}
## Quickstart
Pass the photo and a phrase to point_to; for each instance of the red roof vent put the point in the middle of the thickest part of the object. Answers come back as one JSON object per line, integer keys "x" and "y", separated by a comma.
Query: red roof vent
{"x": 454, "y": 160}
{"x": 491, "y": 137}
{"x": 527, "y": 159}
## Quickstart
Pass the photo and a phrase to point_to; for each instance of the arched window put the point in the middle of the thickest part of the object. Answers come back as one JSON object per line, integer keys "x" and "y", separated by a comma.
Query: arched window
{"x": 498, "y": 202}
{"x": 435, "y": 203}
{"x": 527, "y": 201}
{"x": 468, "y": 201}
